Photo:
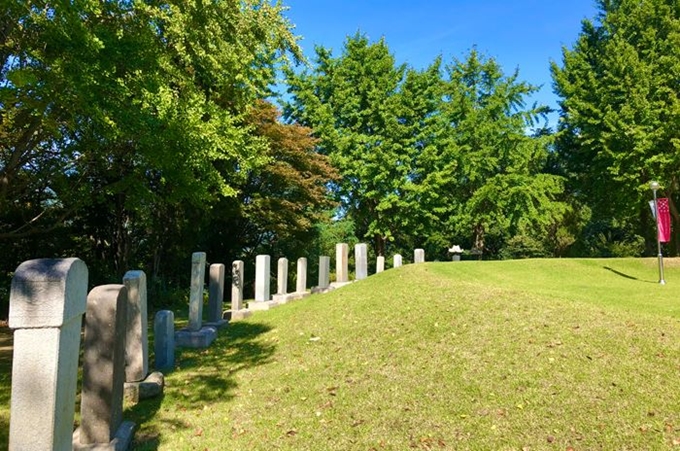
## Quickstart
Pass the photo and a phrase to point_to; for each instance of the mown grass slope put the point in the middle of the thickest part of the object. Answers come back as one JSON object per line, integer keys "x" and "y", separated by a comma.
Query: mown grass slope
{"x": 513, "y": 355}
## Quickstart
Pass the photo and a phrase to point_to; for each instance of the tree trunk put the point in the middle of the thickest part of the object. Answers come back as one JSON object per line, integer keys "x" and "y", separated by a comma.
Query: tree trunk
{"x": 479, "y": 239}
{"x": 379, "y": 245}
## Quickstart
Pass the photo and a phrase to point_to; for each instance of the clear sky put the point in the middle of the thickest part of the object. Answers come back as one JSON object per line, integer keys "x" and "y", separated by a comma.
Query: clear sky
{"x": 519, "y": 34}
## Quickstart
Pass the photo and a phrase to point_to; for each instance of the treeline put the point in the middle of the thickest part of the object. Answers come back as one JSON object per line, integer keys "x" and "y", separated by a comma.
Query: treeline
{"x": 134, "y": 133}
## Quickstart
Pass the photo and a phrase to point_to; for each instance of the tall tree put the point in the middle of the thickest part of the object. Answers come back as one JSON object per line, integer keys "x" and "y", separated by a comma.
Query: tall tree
{"x": 485, "y": 177}
{"x": 351, "y": 103}
{"x": 620, "y": 110}
{"x": 279, "y": 202}
{"x": 115, "y": 115}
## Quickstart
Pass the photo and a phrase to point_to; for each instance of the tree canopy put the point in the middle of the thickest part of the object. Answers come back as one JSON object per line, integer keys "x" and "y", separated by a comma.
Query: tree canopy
{"x": 620, "y": 112}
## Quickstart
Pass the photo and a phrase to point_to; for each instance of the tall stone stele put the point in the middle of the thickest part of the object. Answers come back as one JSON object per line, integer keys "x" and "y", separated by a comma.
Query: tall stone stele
{"x": 196, "y": 293}
{"x": 237, "y": 312}
{"x": 137, "y": 336}
{"x": 341, "y": 262}
{"x": 216, "y": 296}
{"x": 380, "y": 264}
{"x": 263, "y": 297}
{"x": 139, "y": 384}
{"x": 46, "y": 304}
{"x": 262, "y": 278}
{"x": 196, "y": 335}
{"x": 301, "y": 276}
{"x": 361, "y": 261}
{"x": 101, "y": 401}
{"x": 164, "y": 339}
{"x": 324, "y": 272}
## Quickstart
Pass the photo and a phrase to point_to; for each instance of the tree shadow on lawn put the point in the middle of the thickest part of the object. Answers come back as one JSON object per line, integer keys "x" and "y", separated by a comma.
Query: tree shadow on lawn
{"x": 619, "y": 273}
{"x": 204, "y": 376}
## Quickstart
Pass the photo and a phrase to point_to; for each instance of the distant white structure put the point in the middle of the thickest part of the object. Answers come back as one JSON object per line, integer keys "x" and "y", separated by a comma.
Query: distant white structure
{"x": 456, "y": 251}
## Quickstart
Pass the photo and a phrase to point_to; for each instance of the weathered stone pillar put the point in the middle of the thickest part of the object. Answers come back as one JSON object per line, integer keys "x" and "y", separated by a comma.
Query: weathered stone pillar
{"x": 137, "y": 337}
{"x": 164, "y": 339}
{"x": 301, "y": 276}
{"x": 263, "y": 297}
{"x": 397, "y": 261}
{"x": 101, "y": 404}
{"x": 46, "y": 304}
{"x": 419, "y": 256}
{"x": 380, "y": 264}
{"x": 262, "y": 278}
{"x": 324, "y": 272}
{"x": 361, "y": 261}
{"x": 237, "y": 311}
{"x": 195, "y": 335}
{"x": 216, "y": 296}
{"x": 341, "y": 262}
{"x": 282, "y": 276}
{"x": 237, "y": 268}
{"x": 139, "y": 384}
{"x": 196, "y": 296}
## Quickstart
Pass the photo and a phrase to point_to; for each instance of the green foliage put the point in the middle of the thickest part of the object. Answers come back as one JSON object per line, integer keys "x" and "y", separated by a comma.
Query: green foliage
{"x": 620, "y": 109}
{"x": 427, "y": 158}
{"x": 123, "y": 123}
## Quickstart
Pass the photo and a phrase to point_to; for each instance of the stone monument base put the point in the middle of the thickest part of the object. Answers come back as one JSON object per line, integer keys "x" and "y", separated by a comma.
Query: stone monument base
{"x": 150, "y": 387}
{"x": 284, "y": 298}
{"x": 122, "y": 441}
{"x": 201, "y": 338}
{"x": 335, "y": 285}
{"x": 236, "y": 315}
{"x": 217, "y": 324}
{"x": 262, "y": 305}
{"x": 318, "y": 290}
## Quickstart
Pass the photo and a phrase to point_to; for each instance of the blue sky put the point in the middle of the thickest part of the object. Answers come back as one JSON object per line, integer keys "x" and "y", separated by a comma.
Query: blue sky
{"x": 519, "y": 34}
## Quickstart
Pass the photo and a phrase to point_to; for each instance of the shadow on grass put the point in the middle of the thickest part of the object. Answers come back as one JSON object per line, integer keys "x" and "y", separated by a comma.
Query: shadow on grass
{"x": 619, "y": 273}
{"x": 203, "y": 376}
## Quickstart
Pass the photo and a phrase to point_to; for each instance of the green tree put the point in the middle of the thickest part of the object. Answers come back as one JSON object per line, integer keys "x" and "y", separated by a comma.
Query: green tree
{"x": 488, "y": 172}
{"x": 620, "y": 111}
{"x": 123, "y": 122}
{"x": 351, "y": 103}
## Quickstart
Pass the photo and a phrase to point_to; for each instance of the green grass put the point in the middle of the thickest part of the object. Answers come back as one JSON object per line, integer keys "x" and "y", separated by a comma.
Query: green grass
{"x": 514, "y": 355}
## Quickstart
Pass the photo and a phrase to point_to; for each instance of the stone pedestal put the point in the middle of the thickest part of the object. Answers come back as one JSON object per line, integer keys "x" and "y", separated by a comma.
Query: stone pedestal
{"x": 187, "y": 338}
{"x": 150, "y": 387}
{"x": 101, "y": 405}
{"x": 46, "y": 304}
{"x": 341, "y": 262}
{"x": 361, "y": 261}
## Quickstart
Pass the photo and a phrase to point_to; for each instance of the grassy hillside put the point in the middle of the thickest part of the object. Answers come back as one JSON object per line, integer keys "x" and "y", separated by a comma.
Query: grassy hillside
{"x": 534, "y": 354}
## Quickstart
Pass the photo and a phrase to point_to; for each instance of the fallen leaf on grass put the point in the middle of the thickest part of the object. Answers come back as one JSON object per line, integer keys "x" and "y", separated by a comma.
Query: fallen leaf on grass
{"x": 291, "y": 433}
{"x": 198, "y": 432}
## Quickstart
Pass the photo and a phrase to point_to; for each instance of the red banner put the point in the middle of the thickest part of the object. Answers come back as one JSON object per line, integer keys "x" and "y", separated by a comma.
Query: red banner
{"x": 664, "y": 220}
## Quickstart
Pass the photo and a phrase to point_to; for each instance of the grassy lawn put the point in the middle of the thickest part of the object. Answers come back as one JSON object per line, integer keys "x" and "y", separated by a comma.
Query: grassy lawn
{"x": 513, "y": 355}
